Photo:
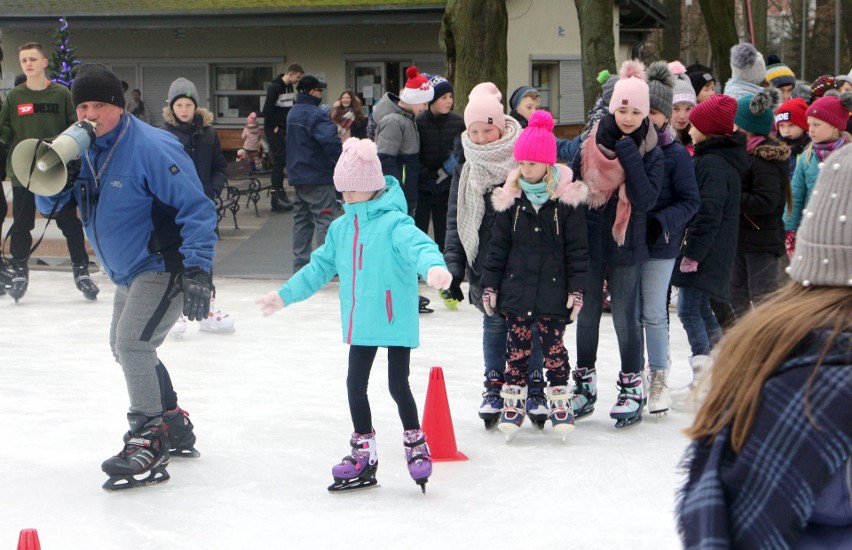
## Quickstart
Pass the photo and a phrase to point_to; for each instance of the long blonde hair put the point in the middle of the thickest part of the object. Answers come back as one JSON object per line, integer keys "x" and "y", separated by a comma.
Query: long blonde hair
{"x": 551, "y": 177}
{"x": 754, "y": 348}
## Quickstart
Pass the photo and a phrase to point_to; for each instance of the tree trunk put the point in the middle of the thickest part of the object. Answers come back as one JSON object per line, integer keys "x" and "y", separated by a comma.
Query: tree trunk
{"x": 473, "y": 39}
{"x": 672, "y": 32}
{"x": 597, "y": 44}
{"x": 722, "y": 31}
{"x": 846, "y": 22}
{"x": 820, "y": 54}
{"x": 758, "y": 16}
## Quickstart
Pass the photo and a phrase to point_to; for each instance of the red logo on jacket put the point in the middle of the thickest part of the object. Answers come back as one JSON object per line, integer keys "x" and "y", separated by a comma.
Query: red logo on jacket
{"x": 25, "y": 109}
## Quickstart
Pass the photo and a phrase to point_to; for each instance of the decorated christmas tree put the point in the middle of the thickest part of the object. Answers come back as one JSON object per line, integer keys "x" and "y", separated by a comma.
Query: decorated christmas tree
{"x": 63, "y": 64}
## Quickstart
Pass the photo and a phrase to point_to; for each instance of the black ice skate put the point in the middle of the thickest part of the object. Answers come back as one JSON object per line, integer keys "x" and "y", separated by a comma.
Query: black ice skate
{"x": 538, "y": 409}
{"x": 20, "y": 280}
{"x": 85, "y": 283}
{"x": 423, "y": 302}
{"x": 181, "y": 435}
{"x": 143, "y": 459}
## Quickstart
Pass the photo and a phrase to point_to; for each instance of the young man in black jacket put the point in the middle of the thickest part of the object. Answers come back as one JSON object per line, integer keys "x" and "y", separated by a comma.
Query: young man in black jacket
{"x": 280, "y": 97}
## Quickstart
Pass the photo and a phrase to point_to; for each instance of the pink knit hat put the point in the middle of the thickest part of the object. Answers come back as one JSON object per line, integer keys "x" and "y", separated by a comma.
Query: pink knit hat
{"x": 631, "y": 90}
{"x": 417, "y": 89}
{"x": 251, "y": 120}
{"x": 537, "y": 142}
{"x": 830, "y": 109}
{"x": 715, "y": 115}
{"x": 484, "y": 105}
{"x": 358, "y": 168}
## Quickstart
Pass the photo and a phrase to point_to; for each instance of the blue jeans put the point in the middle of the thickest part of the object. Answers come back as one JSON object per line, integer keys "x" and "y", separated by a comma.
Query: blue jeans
{"x": 495, "y": 331}
{"x": 698, "y": 320}
{"x": 624, "y": 290}
{"x": 655, "y": 276}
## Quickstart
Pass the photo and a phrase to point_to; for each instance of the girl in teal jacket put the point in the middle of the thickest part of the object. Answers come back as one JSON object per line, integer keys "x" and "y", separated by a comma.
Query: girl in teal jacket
{"x": 377, "y": 252}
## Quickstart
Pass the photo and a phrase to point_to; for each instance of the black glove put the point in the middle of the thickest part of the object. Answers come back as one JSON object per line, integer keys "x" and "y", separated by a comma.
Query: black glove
{"x": 455, "y": 290}
{"x": 197, "y": 289}
{"x": 655, "y": 230}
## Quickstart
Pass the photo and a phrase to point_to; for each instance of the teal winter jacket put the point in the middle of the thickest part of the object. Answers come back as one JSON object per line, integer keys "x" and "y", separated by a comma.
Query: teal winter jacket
{"x": 377, "y": 252}
{"x": 804, "y": 179}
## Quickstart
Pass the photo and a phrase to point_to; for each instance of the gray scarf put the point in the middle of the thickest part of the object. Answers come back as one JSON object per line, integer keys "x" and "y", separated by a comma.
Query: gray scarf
{"x": 485, "y": 167}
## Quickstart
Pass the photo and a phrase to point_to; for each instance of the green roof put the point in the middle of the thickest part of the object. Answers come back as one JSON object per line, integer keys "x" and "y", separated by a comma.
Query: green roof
{"x": 59, "y": 8}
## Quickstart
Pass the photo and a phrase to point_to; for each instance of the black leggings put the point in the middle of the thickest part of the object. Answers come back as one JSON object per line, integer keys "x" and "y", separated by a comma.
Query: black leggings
{"x": 360, "y": 362}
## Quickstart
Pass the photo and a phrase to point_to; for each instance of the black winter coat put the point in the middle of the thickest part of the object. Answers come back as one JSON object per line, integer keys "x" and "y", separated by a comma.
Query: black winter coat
{"x": 678, "y": 202}
{"x": 437, "y": 137}
{"x": 454, "y": 254}
{"x": 201, "y": 143}
{"x": 711, "y": 236}
{"x": 535, "y": 258}
{"x": 765, "y": 187}
{"x": 643, "y": 179}
{"x": 280, "y": 98}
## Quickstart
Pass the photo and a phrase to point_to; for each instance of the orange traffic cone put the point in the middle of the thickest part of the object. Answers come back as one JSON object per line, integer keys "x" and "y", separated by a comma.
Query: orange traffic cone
{"x": 437, "y": 421}
{"x": 29, "y": 540}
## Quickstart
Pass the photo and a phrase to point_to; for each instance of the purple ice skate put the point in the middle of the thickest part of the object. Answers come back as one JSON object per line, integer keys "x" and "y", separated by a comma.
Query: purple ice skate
{"x": 358, "y": 469}
{"x": 418, "y": 456}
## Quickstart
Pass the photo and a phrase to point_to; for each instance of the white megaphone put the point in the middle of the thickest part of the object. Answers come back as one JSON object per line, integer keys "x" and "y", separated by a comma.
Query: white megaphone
{"x": 41, "y": 165}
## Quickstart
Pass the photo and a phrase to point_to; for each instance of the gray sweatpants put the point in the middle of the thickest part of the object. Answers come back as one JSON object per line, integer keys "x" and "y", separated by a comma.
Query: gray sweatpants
{"x": 142, "y": 316}
{"x": 313, "y": 209}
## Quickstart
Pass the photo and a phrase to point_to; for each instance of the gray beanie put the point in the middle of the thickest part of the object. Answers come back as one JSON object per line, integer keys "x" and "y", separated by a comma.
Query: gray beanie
{"x": 683, "y": 91}
{"x": 182, "y": 88}
{"x": 747, "y": 64}
{"x": 823, "y": 254}
{"x": 660, "y": 87}
{"x": 608, "y": 87}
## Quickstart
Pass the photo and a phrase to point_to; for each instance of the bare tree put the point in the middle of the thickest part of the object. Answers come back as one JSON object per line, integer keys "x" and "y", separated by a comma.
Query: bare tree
{"x": 846, "y": 21}
{"x": 672, "y": 32}
{"x": 758, "y": 17}
{"x": 473, "y": 39}
{"x": 719, "y": 16}
{"x": 597, "y": 43}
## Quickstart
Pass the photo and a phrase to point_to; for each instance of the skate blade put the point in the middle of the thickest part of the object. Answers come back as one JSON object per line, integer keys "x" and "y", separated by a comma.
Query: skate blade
{"x": 422, "y": 483}
{"x": 192, "y": 452}
{"x": 509, "y": 429}
{"x": 538, "y": 421}
{"x": 622, "y": 423}
{"x": 154, "y": 476}
{"x": 346, "y": 486}
{"x": 490, "y": 420}
{"x": 217, "y": 331}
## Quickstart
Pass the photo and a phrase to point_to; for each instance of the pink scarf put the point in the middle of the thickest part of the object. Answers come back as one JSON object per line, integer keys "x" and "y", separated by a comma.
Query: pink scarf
{"x": 754, "y": 142}
{"x": 604, "y": 176}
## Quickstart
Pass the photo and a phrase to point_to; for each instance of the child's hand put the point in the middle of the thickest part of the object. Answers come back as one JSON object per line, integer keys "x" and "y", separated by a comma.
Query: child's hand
{"x": 489, "y": 300}
{"x": 270, "y": 303}
{"x": 575, "y": 303}
{"x": 688, "y": 265}
{"x": 790, "y": 243}
{"x": 438, "y": 277}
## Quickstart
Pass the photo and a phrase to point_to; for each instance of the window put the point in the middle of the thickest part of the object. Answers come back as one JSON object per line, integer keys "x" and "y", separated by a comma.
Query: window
{"x": 559, "y": 80}
{"x": 542, "y": 80}
{"x": 239, "y": 91}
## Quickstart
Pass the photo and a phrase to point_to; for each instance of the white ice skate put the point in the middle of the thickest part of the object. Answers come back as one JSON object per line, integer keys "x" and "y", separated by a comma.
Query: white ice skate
{"x": 179, "y": 329}
{"x": 217, "y": 321}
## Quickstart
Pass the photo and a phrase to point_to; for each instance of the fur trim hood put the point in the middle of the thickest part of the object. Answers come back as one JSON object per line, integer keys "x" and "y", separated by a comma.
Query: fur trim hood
{"x": 572, "y": 193}
{"x": 206, "y": 116}
{"x": 772, "y": 149}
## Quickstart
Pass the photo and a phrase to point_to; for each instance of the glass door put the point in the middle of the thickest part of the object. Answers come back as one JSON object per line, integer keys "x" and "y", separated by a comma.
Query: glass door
{"x": 368, "y": 81}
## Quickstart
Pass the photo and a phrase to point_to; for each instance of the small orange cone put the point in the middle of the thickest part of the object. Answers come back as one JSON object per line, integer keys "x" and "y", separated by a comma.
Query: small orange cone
{"x": 29, "y": 540}
{"x": 437, "y": 421}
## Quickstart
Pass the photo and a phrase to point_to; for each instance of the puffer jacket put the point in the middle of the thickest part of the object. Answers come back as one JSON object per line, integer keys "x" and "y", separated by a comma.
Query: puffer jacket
{"x": 802, "y": 185}
{"x": 535, "y": 258}
{"x": 711, "y": 237}
{"x": 377, "y": 252}
{"x": 398, "y": 144}
{"x": 201, "y": 143}
{"x": 437, "y": 133}
{"x": 764, "y": 199}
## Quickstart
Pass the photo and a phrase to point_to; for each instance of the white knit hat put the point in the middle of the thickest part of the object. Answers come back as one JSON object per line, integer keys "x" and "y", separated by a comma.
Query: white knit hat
{"x": 417, "y": 89}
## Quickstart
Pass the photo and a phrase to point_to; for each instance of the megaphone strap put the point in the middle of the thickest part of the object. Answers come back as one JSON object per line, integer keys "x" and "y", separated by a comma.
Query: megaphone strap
{"x": 33, "y": 164}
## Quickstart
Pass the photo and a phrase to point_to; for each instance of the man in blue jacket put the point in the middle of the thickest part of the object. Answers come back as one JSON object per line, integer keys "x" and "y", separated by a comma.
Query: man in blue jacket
{"x": 313, "y": 148}
{"x": 153, "y": 229}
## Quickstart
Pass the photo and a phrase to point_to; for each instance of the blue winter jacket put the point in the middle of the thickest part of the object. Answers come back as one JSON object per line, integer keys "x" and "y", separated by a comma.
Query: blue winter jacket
{"x": 313, "y": 145}
{"x": 377, "y": 252}
{"x": 148, "y": 212}
{"x": 804, "y": 180}
{"x": 678, "y": 202}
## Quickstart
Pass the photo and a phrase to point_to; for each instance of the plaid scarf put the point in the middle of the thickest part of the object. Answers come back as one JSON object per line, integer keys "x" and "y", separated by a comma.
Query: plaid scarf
{"x": 485, "y": 166}
{"x": 763, "y": 497}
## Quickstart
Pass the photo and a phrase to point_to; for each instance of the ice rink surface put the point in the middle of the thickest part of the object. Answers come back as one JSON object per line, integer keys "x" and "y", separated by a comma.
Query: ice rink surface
{"x": 269, "y": 406}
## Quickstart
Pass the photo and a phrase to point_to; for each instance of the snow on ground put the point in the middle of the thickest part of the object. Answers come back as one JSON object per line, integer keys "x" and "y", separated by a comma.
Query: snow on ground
{"x": 269, "y": 405}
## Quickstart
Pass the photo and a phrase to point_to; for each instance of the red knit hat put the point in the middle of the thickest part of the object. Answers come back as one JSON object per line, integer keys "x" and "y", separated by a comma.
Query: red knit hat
{"x": 537, "y": 142}
{"x": 793, "y": 110}
{"x": 715, "y": 116}
{"x": 417, "y": 89}
{"x": 829, "y": 109}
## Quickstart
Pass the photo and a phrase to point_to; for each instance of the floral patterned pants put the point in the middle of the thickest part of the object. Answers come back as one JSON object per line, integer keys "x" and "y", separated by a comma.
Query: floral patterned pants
{"x": 551, "y": 332}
